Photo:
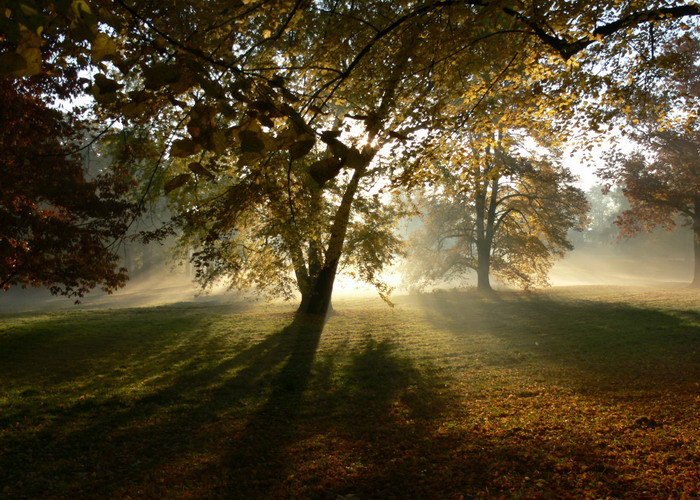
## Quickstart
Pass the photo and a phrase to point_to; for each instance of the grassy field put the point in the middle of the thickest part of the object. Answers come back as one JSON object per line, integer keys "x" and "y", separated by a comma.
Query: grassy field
{"x": 578, "y": 392}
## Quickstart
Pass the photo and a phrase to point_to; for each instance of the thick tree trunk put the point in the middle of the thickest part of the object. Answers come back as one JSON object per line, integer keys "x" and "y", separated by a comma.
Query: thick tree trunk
{"x": 316, "y": 295}
{"x": 483, "y": 281}
{"x": 696, "y": 245}
{"x": 485, "y": 220}
{"x": 316, "y": 301}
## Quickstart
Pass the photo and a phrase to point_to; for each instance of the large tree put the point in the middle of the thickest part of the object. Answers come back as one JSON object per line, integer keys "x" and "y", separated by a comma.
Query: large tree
{"x": 511, "y": 221}
{"x": 662, "y": 185}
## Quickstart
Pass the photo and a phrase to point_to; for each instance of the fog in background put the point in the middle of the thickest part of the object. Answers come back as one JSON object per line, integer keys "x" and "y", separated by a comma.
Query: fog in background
{"x": 661, "y": 258}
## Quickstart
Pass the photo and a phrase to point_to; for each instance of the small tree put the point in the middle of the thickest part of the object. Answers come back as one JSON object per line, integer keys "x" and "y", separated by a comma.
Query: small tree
{"x": 512, "y": 221}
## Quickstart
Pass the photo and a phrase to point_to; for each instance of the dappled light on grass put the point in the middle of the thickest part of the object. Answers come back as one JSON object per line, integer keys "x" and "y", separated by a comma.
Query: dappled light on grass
{"x": 450, "y": 393}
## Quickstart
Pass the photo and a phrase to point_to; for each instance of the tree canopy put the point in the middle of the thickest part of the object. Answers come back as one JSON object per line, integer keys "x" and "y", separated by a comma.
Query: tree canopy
{"x": 661, "y": 178}
{"x": 295, "y": 108}
{"x": 58, "y": 225}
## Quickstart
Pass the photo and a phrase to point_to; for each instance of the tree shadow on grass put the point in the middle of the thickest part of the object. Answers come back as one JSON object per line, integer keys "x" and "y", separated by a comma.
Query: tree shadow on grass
{"x": 228, "y": 426}
{"x": 281, "y": 416}
{"x": 585, "y": 342}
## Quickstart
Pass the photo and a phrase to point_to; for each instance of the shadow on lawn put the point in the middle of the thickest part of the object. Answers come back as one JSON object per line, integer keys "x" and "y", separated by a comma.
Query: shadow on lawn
{"x": 279, "y": 417}
{"x": 218, "y": 425}
{"x": 586, "y": 342}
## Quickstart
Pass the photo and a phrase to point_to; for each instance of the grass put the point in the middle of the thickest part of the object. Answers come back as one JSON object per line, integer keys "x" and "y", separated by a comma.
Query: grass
{"x": 580, "y": 392}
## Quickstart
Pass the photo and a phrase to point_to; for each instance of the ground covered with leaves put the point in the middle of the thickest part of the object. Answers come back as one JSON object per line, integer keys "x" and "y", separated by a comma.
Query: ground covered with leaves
{"x": 580, "y": 392}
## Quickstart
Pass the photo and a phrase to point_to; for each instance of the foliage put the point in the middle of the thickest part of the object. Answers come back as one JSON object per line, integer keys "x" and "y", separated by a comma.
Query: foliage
{"x": 254, "y": 88}
{"x": 272, "y": 231}
{"x": 661, "y": 188}
{"x": 57, "y": 225}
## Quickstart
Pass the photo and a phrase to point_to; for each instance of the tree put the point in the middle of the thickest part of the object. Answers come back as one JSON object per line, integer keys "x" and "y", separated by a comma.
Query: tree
{"x": 512, "y": 221}
{"x": 661, "y": 179}
{"x": 283, "y": 236}
{"x": 57, "y": 225}
{"x": 661, "y": 186}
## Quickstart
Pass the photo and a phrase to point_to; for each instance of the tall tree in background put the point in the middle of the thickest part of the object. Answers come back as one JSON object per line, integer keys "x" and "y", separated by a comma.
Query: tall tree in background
{"x": 661, "y": 179}
{"x": 662, "y": 186}
{"x": 512, "y": 221}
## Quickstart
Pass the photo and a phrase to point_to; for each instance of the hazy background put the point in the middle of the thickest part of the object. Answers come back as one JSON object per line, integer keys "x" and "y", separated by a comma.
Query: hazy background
{"x": 661, "y": 258}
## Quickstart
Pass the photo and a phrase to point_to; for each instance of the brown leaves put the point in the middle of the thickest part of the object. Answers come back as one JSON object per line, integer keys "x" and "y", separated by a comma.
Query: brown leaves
{"x": 301, "y": 148}
{"x": 324, "y": 170}
{"x": 58, "y": 225}
{"x": 200, "y": 170}
{"x": 160, "y": 75}
{"x": 176, "y": 182}
{"x": 251, "y": 141}
{"x": 183, "y": 148}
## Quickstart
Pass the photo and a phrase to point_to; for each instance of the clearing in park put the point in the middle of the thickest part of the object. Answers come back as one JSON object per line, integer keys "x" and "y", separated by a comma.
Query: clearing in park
{"x": 574, "y": 392}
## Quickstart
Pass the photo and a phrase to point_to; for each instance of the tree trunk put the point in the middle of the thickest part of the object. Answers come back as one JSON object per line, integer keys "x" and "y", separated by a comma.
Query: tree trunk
{"x": 316, "y": 295}
{"x": 316, "y": 301}
{"x": 483, "y": 281}
{"x": 696, "y": 246}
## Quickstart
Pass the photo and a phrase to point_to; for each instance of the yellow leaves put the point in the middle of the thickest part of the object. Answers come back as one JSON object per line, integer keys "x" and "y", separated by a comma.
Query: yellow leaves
{"x": 26, "y": 9}
{"x": 183, "y": 148}
{"x": 103, "y": 47}
{"x": 198, "y": 169}
{"x": 29, "y": 50}
{"x": 80, "y": 8}
{"x": 218, "y": 141}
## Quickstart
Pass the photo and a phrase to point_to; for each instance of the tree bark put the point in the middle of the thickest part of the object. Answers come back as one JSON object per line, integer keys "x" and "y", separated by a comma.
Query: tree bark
{"x": 316, "y": 296}
{"x": 485, "y": 228}
{"x": 483, "y": 282}
{"x": 316, "y": 301}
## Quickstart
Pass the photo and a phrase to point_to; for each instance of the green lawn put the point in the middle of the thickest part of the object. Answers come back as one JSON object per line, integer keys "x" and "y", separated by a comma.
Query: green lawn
{"x": 579, "y": 392}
